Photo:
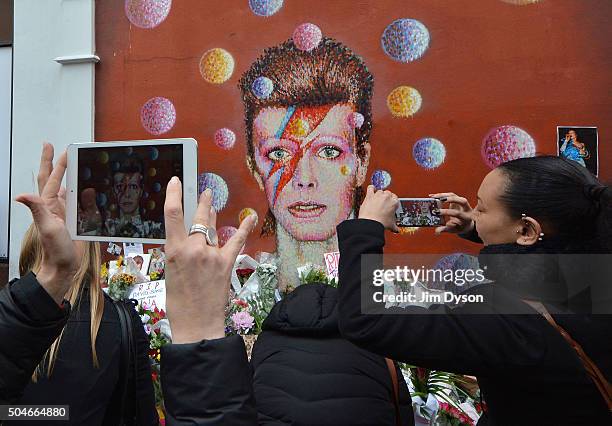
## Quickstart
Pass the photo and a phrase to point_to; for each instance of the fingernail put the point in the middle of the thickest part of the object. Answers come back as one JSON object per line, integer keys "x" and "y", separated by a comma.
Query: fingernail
{"x": 208, "y": 191}
{"x": 174, "y": 180}
{"x": 443, "y": 199}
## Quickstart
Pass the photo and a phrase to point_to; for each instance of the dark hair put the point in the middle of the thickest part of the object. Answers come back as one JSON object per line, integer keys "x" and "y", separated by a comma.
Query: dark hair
{"x": 130, "y": 164}
{"x": 329, "y": 74}
{"x": 564, "y": 196}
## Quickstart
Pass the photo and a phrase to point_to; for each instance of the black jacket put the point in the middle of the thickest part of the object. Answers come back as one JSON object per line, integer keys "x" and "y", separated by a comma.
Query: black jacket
{"x": 89, "y": 390}
{"x": 306, "y": 373}
{"x": 205, "y": 383}
{"x": 208, "y": 383}
{"x": 30, "y": 321}
{"x": 527, "y": 372}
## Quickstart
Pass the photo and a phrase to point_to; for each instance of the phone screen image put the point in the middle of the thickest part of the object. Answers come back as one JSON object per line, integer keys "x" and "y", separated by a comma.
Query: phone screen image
{"x": 121, "y": 190}
{"x": 416, "y": 212}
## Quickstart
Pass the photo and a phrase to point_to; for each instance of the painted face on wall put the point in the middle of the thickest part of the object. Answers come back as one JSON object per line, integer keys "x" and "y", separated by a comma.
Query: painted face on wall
{"x": 127, "y": 188}
{"x": 308, "y": 165}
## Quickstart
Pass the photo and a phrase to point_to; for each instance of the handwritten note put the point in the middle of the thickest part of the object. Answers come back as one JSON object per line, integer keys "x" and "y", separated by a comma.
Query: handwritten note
{"x": 150, "y": 295}
{"x": 331, "y": 263}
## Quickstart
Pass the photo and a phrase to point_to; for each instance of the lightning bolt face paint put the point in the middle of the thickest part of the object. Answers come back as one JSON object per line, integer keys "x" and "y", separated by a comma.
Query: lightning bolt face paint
{"x": 307, "y": 160}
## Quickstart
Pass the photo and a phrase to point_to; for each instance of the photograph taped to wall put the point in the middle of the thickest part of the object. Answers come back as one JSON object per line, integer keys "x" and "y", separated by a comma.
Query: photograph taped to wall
{"x": 142, "y": 261}
{"x": 418, "y": 212}
{"x": 116, "y": 191}
{"x": 579, "y": 144}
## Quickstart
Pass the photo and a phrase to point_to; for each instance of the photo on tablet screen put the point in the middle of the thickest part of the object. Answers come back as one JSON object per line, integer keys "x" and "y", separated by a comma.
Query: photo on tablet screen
{"x": 121, "y": 190}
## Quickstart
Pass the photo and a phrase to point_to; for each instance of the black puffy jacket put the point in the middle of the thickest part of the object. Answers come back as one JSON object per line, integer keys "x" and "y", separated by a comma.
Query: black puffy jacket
{"x": 305, "y": 373}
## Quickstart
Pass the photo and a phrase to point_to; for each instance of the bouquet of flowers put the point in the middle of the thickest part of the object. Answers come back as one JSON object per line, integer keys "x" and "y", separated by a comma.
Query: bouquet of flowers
{"x": 438, "y": 396}
{"x": 451, "y": 416}
{"x": 122, "y": 275}
{"x": 157, "y": 328}
{"x": 314, "y": 274}
{"x": 158, "y": 264}
{"x": 249, "y": 308}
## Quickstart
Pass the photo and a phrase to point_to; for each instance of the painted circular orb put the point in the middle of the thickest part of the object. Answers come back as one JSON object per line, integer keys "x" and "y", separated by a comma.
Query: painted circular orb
{"x": 101, "y": 199}
{"x": 506, "y": 143}
{"x": 103, "y": 157}
{"x": 154, "y": 153}
{"x": 156, "y": 187}
{"x": 216, "y": 66}
{"x": 85, "y": 173}
{"x": 408, "y": 230}
{"x": 150, "y": 205}
{"x": 265, "y": 7}
{"x": 429, "y": 153}
{"x": 158, "y": 115}
{"x": 381, "y": 179}
{"x": 355, "y": 120}
{"x": 521, "y": 2}
{"x": 147, "y": 13}
{"x": 246, "y": 212}
{"x": 307, "y": 36}
{"x": 145, "y": 195}
{"x": 225, "y": 138}
{"x": 152, "y": 172}
{"x": 217, "y": 185}
{"x": 405, "y": 40}
{"x": 225, "y": 233}
{"x": 262, "y": 87}
{"x": 404, "y": 101}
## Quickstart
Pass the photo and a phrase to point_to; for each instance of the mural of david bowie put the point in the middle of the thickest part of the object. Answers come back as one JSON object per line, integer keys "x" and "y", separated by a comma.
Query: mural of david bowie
{"x": 307, "y": 148}
{"x": 124, "y": 216}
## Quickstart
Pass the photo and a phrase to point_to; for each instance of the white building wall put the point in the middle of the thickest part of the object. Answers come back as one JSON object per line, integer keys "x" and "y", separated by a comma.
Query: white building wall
{"x": 51, "y": 101}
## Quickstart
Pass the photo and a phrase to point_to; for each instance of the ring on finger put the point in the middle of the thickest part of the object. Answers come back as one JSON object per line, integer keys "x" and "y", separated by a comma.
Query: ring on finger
{"x": 210, "y": 234}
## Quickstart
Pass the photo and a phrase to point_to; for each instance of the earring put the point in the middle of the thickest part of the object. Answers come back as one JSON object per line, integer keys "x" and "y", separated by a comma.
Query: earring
{"x": 541, "y": 235}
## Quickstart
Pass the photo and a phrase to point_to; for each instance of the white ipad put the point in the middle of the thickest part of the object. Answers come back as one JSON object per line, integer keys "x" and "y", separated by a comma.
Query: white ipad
{"x": 115, "y": 191}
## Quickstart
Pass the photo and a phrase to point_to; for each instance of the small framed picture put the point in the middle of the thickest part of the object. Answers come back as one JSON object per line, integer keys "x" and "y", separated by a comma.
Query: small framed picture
{"x": 579, "y": 144}
{"x": 142, "y": 261}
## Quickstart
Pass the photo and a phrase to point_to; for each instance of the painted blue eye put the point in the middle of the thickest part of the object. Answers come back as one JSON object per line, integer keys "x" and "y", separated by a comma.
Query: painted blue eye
{"x": 279, "y": 154}
{"x": 329, "y": 152}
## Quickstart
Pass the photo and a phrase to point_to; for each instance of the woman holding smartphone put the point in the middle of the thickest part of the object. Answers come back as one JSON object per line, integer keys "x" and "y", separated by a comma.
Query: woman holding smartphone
{"x": 527, "y": 371}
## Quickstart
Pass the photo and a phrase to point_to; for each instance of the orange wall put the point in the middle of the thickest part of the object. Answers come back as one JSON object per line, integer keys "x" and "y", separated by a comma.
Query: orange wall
{"x": 489, "y": 63}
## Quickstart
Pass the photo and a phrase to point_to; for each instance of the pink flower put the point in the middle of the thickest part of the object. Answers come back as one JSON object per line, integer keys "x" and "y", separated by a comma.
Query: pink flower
{"x": 242, "y": 321}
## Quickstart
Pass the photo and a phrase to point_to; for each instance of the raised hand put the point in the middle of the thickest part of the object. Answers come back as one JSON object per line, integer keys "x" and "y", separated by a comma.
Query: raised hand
{"x": 380, "y": 206}
{"x": 197, "y": 274}
{"x": 59, "y": 260}
{"x": 458, "y": 215}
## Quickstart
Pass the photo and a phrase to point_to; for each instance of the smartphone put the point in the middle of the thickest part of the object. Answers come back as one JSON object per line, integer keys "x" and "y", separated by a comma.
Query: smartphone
{"x": 115, "y": 191}
{"x": 416, "y": 212}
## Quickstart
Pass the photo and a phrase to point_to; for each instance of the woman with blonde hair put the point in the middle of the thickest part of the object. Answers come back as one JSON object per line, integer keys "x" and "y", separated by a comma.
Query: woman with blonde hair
{"x": 85, "y": 368}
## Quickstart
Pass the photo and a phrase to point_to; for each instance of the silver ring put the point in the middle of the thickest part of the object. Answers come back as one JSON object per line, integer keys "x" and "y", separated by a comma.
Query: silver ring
{"x": 210, "y": 234}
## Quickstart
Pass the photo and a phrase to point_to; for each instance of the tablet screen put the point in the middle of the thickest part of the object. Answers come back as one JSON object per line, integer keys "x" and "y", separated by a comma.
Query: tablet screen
{"x": 121, "y": 191}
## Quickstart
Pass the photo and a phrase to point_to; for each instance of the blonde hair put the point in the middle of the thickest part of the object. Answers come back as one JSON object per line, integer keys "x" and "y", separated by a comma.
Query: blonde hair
{"x": 30, "y": 259}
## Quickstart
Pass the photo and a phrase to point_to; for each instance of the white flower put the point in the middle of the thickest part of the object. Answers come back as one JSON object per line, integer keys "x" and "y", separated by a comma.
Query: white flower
{"x": 148, "y": 328}
{"x": 145, "y": 318}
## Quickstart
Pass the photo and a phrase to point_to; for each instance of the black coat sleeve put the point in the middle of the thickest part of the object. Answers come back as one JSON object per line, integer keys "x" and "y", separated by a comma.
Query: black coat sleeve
{"x": 208, "y": 383}
{"x": 474, "y": 339}
{"x": 146, "y": 413}
{"x": 30, "y": 321}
